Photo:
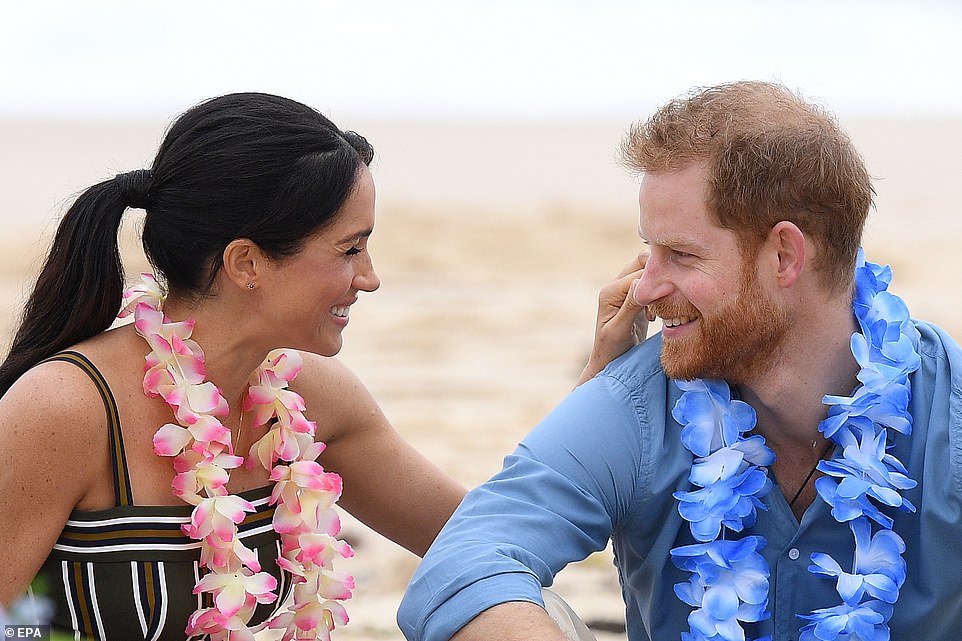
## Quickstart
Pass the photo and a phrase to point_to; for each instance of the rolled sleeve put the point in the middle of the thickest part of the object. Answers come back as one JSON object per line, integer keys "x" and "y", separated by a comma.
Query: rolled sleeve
{"x": 555, "y": 501}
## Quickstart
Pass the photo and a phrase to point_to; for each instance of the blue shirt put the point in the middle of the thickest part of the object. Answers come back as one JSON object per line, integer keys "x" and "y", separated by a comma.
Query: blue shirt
{"x": 604, "y": 464}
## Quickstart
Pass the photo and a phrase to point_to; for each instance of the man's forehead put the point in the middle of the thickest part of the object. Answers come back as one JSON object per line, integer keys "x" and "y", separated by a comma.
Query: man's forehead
{"x": 687, "y": 229}
{"x": 680, "y": 189}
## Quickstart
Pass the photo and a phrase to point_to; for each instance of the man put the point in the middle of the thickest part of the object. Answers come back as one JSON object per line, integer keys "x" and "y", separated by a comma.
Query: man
{"x": 752, "y": 205}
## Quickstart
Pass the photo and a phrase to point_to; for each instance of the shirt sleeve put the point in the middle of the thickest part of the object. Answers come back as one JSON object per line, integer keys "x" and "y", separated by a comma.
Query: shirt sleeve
{"x": 555, "y": 501}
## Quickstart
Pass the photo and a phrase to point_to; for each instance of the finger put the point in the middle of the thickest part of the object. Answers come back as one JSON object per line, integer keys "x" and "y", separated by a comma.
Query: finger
{"x": 613, "y": 295}
{"x": 644, "y": 317}
{"x": 635, "y": 264}
{"x": 631, "y": 314}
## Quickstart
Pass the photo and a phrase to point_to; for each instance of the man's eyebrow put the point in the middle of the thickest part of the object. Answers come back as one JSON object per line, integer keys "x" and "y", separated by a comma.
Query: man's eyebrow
{"x": 673, "y": 242}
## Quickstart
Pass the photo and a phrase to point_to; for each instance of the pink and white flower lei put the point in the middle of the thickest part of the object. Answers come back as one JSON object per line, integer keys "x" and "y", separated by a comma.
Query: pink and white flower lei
{"x": 203, "y": 454}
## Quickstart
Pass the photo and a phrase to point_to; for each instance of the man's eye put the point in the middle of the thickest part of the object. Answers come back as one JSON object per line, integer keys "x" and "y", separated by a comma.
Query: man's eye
{"x": 353, "y": 251}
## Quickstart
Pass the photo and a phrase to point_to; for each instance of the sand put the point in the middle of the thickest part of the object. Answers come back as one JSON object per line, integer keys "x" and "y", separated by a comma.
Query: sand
{"x": 492, "y": 241}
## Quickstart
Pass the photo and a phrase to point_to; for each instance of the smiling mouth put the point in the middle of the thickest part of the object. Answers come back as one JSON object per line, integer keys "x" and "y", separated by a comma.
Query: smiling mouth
{"x": 677, "y": 321}
{"x": 341, "y": 311}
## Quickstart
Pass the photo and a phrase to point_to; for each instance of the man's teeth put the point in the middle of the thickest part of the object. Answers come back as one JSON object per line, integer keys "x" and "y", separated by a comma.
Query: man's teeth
{"x": 343, "y": 312}
{"x": 675, "y": 322}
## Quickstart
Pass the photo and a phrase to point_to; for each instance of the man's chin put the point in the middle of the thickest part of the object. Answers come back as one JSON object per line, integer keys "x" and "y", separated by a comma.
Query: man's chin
{"x": 678, "y": 363}
{"x": 737, "y": 369}
{"x": 684, "y": 374}
{"x": 685, "y": 361}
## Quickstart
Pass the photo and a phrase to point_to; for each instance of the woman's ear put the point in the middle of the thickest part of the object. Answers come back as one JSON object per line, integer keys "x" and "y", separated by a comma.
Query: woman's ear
{"x": 242, "y": 258}
{"x": 788, "y": 244}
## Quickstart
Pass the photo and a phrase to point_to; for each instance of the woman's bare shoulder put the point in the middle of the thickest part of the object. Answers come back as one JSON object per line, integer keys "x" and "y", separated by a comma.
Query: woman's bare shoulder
{"x": 59, "y": 399}
{"x": 52, "y": 393}
{"x": 325, "y": 376}
{"x": 54, "y": 458}
{"x": 335, "y": 397}
{"x": 53, "y": 443}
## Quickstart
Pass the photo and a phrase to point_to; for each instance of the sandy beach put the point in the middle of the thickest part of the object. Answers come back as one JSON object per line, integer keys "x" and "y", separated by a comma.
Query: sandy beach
{"x": 491, "y": 243}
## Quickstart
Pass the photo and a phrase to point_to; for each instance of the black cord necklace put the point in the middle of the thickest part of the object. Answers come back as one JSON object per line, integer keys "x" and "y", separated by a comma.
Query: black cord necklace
{"x": 810, "y": 474}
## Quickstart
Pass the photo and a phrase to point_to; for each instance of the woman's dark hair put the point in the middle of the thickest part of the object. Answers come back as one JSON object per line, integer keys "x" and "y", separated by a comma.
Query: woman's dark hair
{"x": 245, "y": 165}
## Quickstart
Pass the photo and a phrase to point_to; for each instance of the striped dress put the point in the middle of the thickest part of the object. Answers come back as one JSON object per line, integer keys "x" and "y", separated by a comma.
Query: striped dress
{"x": 127, "y": 572}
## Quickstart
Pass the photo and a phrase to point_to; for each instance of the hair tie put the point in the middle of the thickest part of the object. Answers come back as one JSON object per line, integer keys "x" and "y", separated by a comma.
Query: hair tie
{"x": 134, "y": 186}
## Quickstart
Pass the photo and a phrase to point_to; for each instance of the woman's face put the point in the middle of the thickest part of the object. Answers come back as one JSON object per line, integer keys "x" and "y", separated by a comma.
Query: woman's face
{"x": 311, "y": 293}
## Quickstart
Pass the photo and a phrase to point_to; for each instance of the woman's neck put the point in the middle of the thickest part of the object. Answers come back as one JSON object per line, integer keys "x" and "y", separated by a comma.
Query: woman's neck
{"x": 232, "y": 349}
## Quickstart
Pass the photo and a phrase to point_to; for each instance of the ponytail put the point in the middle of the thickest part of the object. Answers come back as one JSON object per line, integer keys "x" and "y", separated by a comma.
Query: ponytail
{"x": 79, "y": 290}
{"x": 244, "y": 165}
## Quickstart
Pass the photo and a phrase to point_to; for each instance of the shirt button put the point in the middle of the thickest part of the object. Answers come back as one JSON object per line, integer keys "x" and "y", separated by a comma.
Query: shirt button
{"x": 793, "y": 554}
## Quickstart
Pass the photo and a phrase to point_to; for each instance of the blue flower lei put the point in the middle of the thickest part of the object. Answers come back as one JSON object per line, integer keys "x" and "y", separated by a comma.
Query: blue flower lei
{"x": 729, "y": 578}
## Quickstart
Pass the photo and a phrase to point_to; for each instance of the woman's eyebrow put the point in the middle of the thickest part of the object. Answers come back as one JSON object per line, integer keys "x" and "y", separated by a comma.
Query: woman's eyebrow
{"x": 357, "y": 235}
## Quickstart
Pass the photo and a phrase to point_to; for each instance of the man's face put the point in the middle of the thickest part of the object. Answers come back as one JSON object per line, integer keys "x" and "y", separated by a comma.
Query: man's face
{"x": 719, "y": 320}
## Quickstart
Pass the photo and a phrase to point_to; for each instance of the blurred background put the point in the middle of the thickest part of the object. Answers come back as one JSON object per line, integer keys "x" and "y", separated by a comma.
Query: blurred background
{"x": 501, "y": 206}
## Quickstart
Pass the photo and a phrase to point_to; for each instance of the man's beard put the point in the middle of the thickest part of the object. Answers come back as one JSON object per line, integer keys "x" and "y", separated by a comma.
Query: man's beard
{"x": 735, "y": 344}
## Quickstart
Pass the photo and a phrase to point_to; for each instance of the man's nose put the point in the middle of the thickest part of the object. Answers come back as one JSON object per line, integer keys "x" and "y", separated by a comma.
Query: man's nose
{"x": 653, "y": 284}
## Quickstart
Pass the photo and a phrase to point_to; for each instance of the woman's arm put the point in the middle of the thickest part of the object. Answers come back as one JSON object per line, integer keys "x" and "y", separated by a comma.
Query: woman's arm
{"x": 388, "y": 485}
{"x": 53, "y": 449}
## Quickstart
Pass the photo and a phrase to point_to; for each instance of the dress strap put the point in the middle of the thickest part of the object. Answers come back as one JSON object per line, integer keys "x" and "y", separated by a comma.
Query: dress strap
{"x": 122, "y": 491}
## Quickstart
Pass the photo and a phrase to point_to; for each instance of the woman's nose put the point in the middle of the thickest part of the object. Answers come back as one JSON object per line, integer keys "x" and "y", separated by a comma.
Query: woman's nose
{"x": 367, "y": 279}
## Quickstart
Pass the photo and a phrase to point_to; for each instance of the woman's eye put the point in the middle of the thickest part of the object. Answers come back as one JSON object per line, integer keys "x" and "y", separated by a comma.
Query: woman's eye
{"x": 353, "y": 251}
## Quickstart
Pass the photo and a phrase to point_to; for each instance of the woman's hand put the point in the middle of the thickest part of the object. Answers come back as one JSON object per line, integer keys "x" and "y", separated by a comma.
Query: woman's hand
{"x": 622, "y": 322}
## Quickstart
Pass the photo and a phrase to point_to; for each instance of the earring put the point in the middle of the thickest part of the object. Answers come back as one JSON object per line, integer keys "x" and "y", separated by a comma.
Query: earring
{"x": 250, "y": 285}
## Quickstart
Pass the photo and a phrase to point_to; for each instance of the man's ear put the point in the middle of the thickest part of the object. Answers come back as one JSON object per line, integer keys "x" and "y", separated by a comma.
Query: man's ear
{"x": 242, "y": 259}
{"x": 787, "y": 246}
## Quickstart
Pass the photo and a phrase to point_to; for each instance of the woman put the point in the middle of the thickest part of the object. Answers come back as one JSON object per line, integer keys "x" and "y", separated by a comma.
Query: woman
{"x": 259, "y": 211}
{"x": 258, "y": 214}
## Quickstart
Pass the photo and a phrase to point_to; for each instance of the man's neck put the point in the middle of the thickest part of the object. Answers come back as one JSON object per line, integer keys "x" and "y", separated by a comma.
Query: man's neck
{"x": 815, "y": 359}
